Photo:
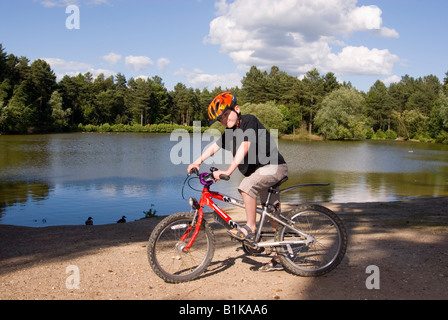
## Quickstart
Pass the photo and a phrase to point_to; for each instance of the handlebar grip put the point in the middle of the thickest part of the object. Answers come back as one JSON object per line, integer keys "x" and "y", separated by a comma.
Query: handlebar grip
{"x": 224, "y": 177}
{"x": 193, "y": 171}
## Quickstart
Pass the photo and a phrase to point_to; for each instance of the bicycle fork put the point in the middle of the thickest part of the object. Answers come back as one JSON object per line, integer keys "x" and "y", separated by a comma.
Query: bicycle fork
{"x": 195, "y": 227}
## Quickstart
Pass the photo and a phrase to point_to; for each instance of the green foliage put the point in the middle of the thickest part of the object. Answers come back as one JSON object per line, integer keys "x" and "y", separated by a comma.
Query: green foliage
{"x": 269, "y": 114}
{"x": 32, "y": 101}
{"x": 381, "y": 135}
{"x": 136, "y": 128}
{"x": 151, "y": 213}
{"x": 60, "y": 117}
{"x": 442, "y": 137}
{"x": 342, "y": 115}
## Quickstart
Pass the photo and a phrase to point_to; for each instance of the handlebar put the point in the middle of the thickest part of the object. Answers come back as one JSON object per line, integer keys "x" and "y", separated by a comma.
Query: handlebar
{"x": 207, "y": 179}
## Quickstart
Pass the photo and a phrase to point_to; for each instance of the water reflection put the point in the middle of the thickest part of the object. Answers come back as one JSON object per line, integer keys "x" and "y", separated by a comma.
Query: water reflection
{"x": 20, "y": 192}
{"x": 63, "y": 179}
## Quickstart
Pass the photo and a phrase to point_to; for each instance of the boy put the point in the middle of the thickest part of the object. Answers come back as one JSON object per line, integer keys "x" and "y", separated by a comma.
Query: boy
{"x": 255, "y": 154}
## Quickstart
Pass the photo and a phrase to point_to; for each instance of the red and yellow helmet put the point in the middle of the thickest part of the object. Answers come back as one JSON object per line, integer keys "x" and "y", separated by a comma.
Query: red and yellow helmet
{"x": 220, "y": 104}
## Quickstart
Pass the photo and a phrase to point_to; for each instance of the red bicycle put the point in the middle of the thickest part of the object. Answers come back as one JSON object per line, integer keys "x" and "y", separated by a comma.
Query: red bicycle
{"x": 310, "y": 240}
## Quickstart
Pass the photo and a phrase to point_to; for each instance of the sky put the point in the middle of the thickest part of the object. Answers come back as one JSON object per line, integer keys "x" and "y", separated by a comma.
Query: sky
{"x": 210, "y": 43}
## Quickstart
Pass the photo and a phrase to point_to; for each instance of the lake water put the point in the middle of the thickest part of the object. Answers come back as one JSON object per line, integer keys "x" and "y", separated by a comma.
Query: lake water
{"x": 48, "y": 180}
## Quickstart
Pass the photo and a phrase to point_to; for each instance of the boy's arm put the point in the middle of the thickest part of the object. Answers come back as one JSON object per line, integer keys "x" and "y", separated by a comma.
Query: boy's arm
{"x": 239, "y": 157}
{"x": 207, "y": 154}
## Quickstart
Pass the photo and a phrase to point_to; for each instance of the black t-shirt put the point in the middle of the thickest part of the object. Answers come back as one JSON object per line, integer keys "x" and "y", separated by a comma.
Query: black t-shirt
{"x": 263, "y": 149}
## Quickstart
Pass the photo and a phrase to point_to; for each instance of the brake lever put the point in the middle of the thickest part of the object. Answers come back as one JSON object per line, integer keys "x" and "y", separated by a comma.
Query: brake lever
{"x": 193, "y": 171}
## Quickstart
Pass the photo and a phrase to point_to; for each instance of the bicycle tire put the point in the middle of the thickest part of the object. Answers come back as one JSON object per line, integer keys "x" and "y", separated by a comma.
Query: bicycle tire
{"x": 323, "y": 255}
{"x": 165, "y": 254}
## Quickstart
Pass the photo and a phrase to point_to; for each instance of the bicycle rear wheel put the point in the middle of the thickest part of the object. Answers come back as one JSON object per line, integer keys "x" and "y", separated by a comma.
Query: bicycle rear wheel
{"x": 324, "y": 253}
{"x": 165, "y": 254}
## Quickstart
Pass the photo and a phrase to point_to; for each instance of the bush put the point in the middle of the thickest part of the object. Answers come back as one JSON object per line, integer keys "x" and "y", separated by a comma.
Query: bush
{"x": 379, "y": 135}
{"x": 442, "y": 137}
{"x": 155, "y": 128}
{"x": 391, "y": 135}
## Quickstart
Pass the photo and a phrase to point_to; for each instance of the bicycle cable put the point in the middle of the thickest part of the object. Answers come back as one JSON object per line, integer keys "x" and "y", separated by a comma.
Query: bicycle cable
{"x": 189, "y": 178}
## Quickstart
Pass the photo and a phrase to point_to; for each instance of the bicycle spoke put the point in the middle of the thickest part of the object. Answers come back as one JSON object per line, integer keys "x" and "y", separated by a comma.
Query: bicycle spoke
{"x": 166, "y": 252}
{"x": 325, "y": 246}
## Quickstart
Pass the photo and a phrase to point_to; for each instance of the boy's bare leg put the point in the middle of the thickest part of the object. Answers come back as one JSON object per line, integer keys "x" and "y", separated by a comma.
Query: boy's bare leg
{"x": 251, "y": 210}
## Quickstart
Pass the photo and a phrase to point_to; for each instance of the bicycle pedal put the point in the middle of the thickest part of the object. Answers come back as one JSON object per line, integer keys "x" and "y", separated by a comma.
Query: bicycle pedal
{"x": 252, "y": 245}
{"x": 234, "y": 240}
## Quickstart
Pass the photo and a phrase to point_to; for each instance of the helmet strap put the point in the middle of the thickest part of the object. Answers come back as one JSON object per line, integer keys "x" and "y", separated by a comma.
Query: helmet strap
{"x": 239, "y": 119}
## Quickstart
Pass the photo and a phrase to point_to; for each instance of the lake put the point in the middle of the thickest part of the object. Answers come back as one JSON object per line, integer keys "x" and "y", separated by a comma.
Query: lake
{"x": 62, "y": 179}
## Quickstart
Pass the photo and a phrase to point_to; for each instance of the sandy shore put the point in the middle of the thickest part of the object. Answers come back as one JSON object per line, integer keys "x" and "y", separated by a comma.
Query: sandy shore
{"x": 407, "y": 241}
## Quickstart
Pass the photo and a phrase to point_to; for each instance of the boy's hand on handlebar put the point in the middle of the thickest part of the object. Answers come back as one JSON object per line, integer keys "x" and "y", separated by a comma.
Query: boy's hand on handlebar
{"x": 193, "y": 169}
{"x": 221, "y": 175}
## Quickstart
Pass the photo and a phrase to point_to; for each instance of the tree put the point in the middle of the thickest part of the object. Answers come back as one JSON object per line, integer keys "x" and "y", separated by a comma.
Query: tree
{"x": 60, "y": 117}
{"x": 139, "y": 99}
{"x": 342, "y": 115}
{"x": 426, "y": 91}
{"x": 3, "y": 64}
{"x": 18, "y": 115}
{"x": 439, "y": 116}
{"x": 312, "y": 95}
{"x": 269, "y": 114}
{"x": 182, "y": 109}
{"x": 255, "y": 83}
{"x": 160, "y": 102}
{"x": 205, "y": 99}
{"x": 5, "y": 87}
{"x": 42, "y": 83}
{"x": 445, "y": 83}
{"x": 330, "y": 83}
{"x": 379, "y": 107}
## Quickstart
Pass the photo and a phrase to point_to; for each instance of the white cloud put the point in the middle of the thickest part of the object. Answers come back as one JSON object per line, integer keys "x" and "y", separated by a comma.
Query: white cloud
{"x": 138, "y": 63}
{"x": 361, "y": 60}
{"x": 96, "y": 72}
{"x": 65, "y": 3}
{"x": 162, "y": 64}
{"x": 298, "y": 35}
{"x": 60, "y": 64}
{"x": 198, "y": 79}
{"x": 73, "y": 68}
{"x": 58, "y": 3}
{"x": 392, "y": 79}
{"x": 112, "y": 58}
{"x": 143, "y": 77}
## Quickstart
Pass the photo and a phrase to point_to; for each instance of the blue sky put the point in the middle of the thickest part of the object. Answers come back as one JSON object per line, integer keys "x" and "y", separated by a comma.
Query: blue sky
{"x": 205, "y": 43}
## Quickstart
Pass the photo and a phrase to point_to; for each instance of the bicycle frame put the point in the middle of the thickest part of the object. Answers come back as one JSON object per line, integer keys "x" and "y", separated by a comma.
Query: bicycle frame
{"x": 207, "y": 200}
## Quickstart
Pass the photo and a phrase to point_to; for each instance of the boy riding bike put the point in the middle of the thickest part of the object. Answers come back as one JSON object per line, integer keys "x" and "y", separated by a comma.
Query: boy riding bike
{"x": 255, "y": 155}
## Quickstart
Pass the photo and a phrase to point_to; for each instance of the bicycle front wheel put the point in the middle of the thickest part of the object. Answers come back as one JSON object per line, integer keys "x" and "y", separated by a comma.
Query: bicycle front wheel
{"x": 323, "y": 253}
{"x": 165, "y": 248}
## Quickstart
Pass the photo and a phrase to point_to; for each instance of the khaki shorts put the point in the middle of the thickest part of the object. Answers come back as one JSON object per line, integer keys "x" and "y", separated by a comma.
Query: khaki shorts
{"x": 261, "y": 180}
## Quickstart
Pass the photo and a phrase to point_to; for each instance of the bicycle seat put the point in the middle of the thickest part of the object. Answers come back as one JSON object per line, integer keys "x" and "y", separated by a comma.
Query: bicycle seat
{"x": 278, "y": 184}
